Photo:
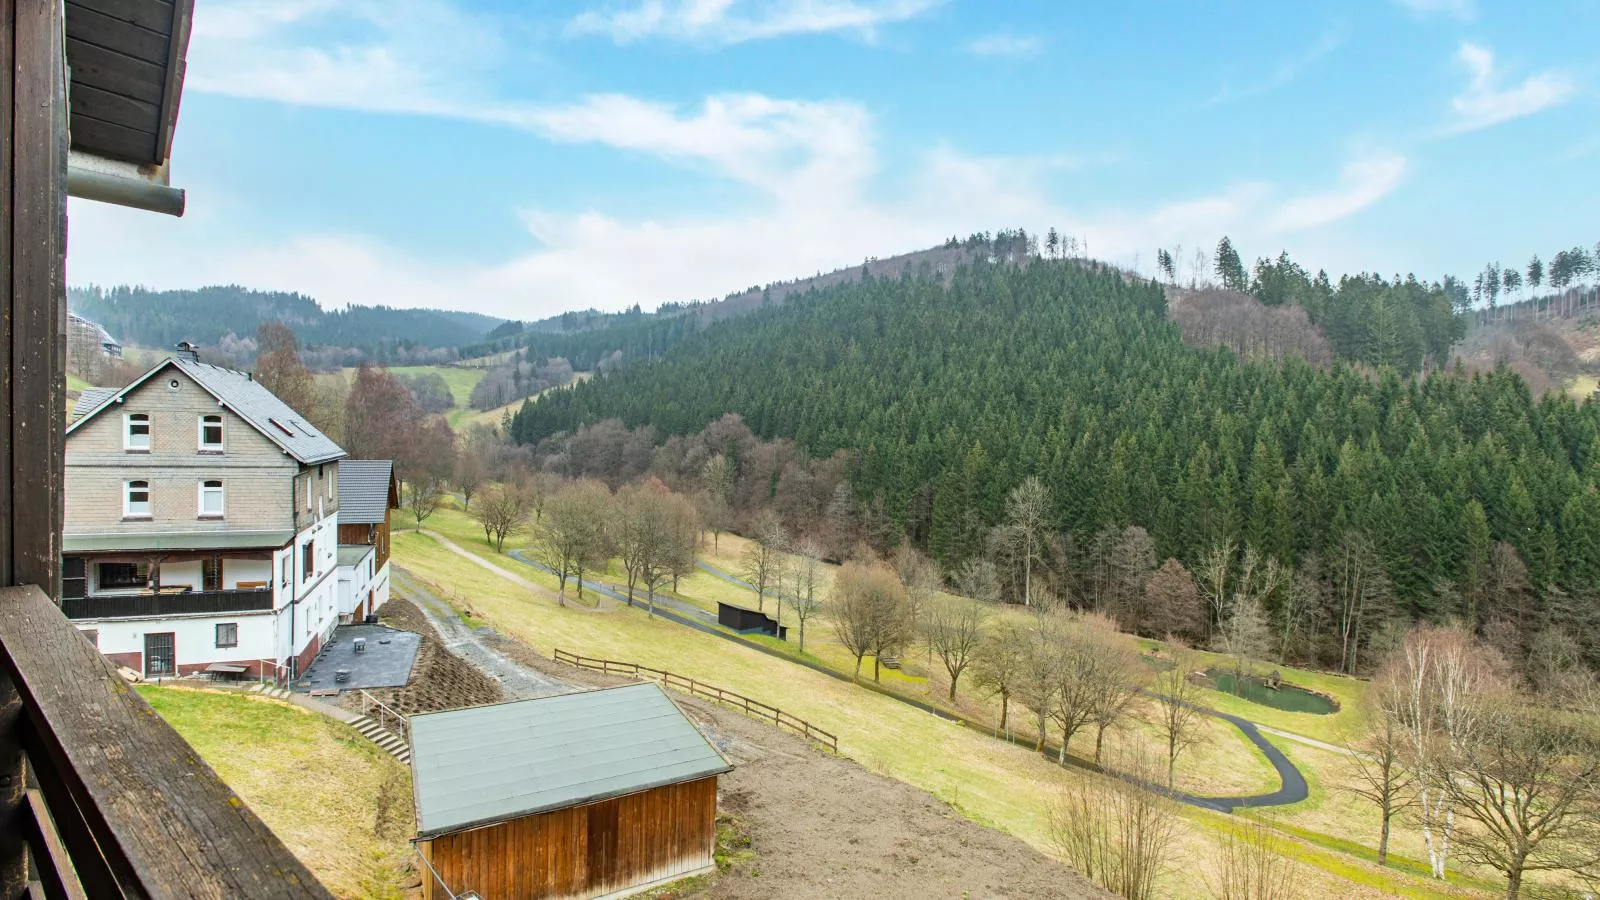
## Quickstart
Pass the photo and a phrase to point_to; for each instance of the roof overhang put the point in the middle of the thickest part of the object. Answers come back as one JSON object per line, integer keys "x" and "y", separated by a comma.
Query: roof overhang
{"x": 126, "y": 61}
{"x": 176, "y": 540}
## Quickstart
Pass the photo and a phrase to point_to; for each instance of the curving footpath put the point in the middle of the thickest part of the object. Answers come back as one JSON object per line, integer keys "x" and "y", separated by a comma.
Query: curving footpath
{"x": 1292, "y": 784}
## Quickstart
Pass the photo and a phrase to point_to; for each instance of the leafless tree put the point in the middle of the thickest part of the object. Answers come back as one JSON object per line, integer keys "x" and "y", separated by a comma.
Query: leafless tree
{"x": 921, "y": 578}
{"x": 1212, "y": 575}
{"x": 1359, "y": 588}
{"x": 630, "y": 527}
{"x": 1118, "y": 834}
{"x": 671, "y": 532}
{"x": 574, "y": 539}
{"x": 1243, "y": 634}
{"x": 954, "y": 630}
{"x": 1529, "y": 778}
{"x": 998, "y": 665}
{"x": 423, "y": 495}
{"x": 1177, "y": 697}
{"x": 502, "y": 510}
{"x": 470, "y": 469}
{"x": 1028, "y": 513}
{"x": 1249, "y": 867}
{"x": 763, "y": 556}
{"x": 1376, "y": 770}
{"x": 1172, "y": 603}
{"x": 1118, "y": 677}
{"x": 869, "y": 612}
{"x": 979, "y": 580}
{"x": 805, "y": 579}
{"x": 1441, "y": 677}
{"x": 1040, "y": 671}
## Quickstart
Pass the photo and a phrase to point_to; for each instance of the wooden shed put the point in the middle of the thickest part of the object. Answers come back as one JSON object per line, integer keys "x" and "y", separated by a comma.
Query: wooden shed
{"x": 597, "y": 794}
{"x": 749, "y": 621}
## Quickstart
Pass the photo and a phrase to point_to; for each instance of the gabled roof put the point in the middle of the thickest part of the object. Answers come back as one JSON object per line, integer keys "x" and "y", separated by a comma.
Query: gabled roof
{"x": 366, "y": 491}
{"x": 248, "y": 400}
{"x": 486, "y": 764}
{"x": 91, "y": 398}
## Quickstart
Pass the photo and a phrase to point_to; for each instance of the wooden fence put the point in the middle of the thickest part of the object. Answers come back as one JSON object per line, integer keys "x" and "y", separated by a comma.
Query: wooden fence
{"x": 697, "y": 688}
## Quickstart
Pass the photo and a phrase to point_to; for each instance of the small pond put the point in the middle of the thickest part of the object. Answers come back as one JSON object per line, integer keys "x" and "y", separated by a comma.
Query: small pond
{"x": 1285, "y": 696}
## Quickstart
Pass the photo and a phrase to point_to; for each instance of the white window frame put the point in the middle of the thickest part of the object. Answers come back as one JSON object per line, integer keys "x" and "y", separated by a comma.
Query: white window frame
{"x": 127, "y": 499}
{"x": 222, "y": 496}
{"x": 200, "y": 439}
{"x": 127, "y": 432}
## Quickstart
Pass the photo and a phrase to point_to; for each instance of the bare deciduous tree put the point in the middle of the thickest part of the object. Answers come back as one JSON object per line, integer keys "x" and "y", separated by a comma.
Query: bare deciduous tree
{"x": 573, "y": 539}
{"x": 1179, "y": 718}
{"x": 1376, "y": 771}
{"x": 805, "y": 578}
{"x": 424, "y": 492}
{"x": 979, "y": 580}
{"x": 954, "y": 629}
{"x": 869, "y": 612}
{"x": 1117, "y": 833}
{"x": 502, "y": 511}
{"x": 999, "y": 664}
{"x": 1028, "y": 512}
{"x": 1249, "y": 867}
{"x": 763, "y": 556}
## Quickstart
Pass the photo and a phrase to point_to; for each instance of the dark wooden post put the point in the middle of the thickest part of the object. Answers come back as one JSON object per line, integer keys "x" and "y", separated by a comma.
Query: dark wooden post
{"x": 33, "y": 198}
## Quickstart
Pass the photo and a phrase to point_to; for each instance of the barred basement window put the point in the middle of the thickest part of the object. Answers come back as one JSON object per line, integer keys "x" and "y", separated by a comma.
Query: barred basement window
{"x": 227, "y": 634}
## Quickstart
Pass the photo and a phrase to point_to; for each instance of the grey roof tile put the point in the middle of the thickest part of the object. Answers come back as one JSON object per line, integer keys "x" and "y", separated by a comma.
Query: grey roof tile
{"x": 262, "y": 409}
{"x": 364, "y": 490}
{"x": 91, "y": 398}
{"x": 486, "y": 764}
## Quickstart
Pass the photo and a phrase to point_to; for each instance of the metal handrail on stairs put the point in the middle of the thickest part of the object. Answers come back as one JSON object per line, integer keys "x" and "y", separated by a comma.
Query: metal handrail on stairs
{"x": 383, "y": 714}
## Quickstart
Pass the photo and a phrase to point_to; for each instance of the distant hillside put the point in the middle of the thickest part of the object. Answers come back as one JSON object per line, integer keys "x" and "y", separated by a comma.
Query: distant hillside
{"x": 209, "y": 315}
{"x": 590, "y": 339}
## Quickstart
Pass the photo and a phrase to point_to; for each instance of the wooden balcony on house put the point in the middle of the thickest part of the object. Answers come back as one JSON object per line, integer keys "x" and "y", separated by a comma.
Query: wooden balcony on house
{"x": 101, "y": 798}
{"x": 167, "y": 603}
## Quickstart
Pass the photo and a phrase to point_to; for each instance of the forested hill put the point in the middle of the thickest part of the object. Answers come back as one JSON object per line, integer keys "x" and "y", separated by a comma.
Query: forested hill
{"x": 947, "y": 397}
{"x": 590, "y": 338}
{"x": 136, "y": 315}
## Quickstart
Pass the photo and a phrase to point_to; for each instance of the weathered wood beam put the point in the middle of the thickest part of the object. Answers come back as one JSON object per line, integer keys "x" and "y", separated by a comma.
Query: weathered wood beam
{"x": 163, "y": 822}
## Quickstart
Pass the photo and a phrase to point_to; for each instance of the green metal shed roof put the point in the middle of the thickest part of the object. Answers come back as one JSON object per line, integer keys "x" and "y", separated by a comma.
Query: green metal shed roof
{"x": 477, "y": 766}
{"x": 175, "y": 540}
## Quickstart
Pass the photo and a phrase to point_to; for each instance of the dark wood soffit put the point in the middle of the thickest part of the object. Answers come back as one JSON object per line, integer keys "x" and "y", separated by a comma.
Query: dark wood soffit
{"x": 127, "y": 59}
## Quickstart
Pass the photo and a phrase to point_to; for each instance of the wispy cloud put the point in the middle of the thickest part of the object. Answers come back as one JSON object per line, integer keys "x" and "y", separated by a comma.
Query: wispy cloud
{"x": 1487, "y": 102}
{"x": 739, "y": 21}
{"x": 1006, "y": 45}
{"x": 1287, "y": 71}
{"x": 1362, "y": 183}
{"x": 1460, "y": 9}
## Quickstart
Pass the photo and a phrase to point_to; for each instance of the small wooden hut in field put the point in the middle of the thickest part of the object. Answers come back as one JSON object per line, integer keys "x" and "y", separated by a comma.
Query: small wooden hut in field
{"x": 596, "y": 794}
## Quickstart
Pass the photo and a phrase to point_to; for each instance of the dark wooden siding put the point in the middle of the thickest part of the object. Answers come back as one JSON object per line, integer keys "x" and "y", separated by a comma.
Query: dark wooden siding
{"x": 371, "y": 535}
{"x": 583, "y": 851}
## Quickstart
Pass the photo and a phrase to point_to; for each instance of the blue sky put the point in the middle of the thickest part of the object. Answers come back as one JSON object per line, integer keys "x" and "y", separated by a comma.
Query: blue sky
{"x": 522, "y": 158}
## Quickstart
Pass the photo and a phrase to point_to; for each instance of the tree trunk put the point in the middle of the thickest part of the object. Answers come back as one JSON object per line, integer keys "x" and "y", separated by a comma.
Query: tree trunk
{"x": 802, "y": 635}
{"x": 875, "y": 659}
{"x": 1383, "y": 842}
{"x": 858, "y": 668}
{"x": 953, "y": 677}
{"x": 1099, "y": 741}
{"x": 1514, "y": 883}
{"x": 1005, "y": 709}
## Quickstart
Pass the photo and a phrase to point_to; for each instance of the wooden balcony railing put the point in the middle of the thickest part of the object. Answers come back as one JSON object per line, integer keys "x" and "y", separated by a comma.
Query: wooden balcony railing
{"x": 186, "y": 603}
{"x": 101, "y": 798}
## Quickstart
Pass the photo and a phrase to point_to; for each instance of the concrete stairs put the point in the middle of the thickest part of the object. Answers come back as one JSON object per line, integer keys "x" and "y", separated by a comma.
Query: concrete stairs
{"x": 387, "y": 741}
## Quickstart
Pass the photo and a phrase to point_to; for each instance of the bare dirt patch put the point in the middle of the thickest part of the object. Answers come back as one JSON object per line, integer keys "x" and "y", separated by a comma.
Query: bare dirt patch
{"x": 440, "y": 680}
{"x": 823, "y": 826}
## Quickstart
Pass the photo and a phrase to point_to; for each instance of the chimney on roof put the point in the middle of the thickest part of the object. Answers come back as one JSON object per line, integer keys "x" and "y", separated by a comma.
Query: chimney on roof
{"x": 188, "y": 351}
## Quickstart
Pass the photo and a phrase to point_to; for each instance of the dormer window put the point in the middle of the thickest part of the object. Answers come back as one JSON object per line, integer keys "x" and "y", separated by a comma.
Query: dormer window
{"x": 211, "y": 500}
{"x": 136, "y": 432}
{"x": 136, "y": 500}
{"x": 210, "y": 434}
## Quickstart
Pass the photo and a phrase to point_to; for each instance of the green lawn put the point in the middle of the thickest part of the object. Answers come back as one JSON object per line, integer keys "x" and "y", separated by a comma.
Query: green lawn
{"x": 313, "y": 781}
{"x": 460, "y": 380}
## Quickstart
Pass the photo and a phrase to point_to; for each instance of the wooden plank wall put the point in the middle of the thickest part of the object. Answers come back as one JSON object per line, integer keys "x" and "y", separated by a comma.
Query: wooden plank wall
{"x": 584, "y": 851}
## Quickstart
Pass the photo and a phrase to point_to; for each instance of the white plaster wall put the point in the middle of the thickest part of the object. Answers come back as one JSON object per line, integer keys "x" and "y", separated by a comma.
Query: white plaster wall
{"x": 237, "y": 570}
{"x": 194, "y": 639}
{"x": 174, "y": 574}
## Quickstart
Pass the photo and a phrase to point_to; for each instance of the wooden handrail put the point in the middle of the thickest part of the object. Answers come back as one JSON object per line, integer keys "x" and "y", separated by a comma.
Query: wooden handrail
{"x": 694, "y": 687}
{"x": 120, "y": 795}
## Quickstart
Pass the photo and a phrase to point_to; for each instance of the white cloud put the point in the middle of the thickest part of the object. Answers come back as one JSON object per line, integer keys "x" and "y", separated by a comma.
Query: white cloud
{"x": 1009, "y": 45}
{"x": 1460, "y": 9}
{"x": 738, "y": 21}
{"x": 1286, "y": 71}
{"x": 1362, "y": 183}
{"x": 1486, "y": 102}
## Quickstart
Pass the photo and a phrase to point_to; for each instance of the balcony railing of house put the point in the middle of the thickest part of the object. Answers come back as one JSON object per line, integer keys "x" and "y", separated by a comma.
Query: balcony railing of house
{"x": 101, "y": 798}
{"x": 111, "y": 606}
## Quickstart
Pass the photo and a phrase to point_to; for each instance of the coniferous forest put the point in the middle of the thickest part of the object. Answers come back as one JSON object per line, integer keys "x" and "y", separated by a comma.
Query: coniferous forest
{"x": 1462, "y": 495}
